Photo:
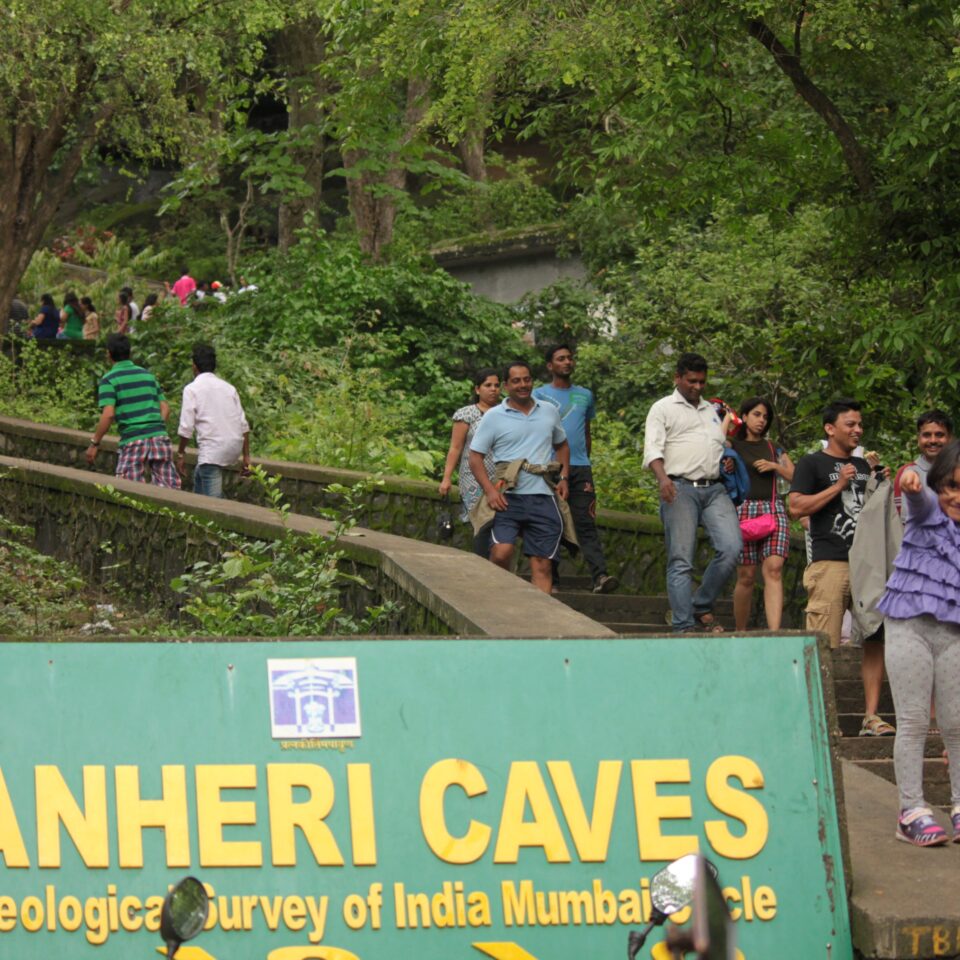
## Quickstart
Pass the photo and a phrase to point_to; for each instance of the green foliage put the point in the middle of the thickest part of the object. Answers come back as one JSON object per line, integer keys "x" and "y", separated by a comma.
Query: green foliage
{"x": 622, "y": 482}
{"x": 768, "y": 302}
{"x": 290, "y": 586}
{"x": 38, "y": 594}
{"x": 49, "y": 384}
{"x": 454, "y": 208}
{"x": 411, "y": 327}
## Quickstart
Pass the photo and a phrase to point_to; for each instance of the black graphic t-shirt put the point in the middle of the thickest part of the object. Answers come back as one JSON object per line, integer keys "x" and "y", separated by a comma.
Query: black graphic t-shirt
{"x": 831, "y": 529}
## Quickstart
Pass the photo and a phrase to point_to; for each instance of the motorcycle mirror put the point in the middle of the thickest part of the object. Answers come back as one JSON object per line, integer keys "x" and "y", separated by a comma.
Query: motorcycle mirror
{"x": 672, "y": 888}
{"x": 184, "y": 913}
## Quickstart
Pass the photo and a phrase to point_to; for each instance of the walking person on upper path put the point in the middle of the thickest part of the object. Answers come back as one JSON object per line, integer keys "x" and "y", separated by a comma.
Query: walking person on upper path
{"x": 523, "y": 435}
{"x": 486, "y": 394}
{"x": 212, "y": 408}
{"x": 683, "y": 446}
{"x": 829, "y": 486}
{"x": 576, "y": 407}
{"x": 131, "y": 396}
{"x": 934, "y": 432}
{"x": 765, "y": 464}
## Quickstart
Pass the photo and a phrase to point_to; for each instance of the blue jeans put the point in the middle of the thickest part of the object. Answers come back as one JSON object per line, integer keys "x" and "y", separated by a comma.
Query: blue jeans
{"x": 711, "y": 508}
{"x": 208, "y": 480}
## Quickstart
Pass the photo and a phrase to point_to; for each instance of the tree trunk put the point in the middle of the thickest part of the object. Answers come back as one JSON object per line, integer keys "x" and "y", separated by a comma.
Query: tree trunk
{"x": 853, "y": 153}
{"x": 31, "y": 190}
{"x": 301, "y": 48}
{"x": 472, "y": 154}
{"x": 373, "y": 190}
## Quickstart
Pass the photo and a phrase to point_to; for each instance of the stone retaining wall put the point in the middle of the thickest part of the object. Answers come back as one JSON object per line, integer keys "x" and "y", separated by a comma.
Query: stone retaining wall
{"x": 409, "y": 508}
{"x": 440, "y": 590}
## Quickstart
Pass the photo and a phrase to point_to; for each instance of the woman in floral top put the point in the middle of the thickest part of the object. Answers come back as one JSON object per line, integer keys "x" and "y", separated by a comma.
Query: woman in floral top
{"x": 486, "y": 388}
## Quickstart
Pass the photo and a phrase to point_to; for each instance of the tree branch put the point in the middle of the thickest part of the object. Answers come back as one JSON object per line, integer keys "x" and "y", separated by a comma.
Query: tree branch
{"x": 853, "y": 153}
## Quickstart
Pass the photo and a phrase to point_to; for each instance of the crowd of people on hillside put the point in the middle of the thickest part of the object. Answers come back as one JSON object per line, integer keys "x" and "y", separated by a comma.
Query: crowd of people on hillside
{"x": 77, "y": 318}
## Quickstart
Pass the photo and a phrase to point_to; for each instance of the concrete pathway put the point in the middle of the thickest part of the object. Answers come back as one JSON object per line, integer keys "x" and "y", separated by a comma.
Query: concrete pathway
{"x": 905, "y": 901}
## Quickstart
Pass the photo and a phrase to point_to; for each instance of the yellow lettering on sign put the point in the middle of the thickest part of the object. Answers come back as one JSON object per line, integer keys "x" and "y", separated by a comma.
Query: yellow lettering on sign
{"x": 56, "y": 805}
{"x": 591, "y": 838}
{"x": 135, "y": 813}
{"x": 8, "y": 914}
{"x": 443, "y": 774}
{"x": 650, "y": 808}
{"x": 11, "y": 839}
{"x": 734, "y": 803}
{"x": 363, "y": 833}
{"x": 214, "y": 813}
{"x": 525, "y": 785}
{"x": 286, "y": 816}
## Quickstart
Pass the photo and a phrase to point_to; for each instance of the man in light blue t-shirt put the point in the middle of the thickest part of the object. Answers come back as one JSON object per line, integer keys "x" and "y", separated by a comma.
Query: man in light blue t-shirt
{"x": 523, "y": 428}
{"x": 576, "y": 408}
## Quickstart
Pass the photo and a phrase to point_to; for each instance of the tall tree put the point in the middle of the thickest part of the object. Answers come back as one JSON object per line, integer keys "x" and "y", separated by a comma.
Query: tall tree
{"x": 81, "y": 75}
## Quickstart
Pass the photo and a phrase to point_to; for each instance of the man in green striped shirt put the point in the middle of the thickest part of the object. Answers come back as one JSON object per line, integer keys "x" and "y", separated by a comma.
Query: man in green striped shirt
{"x": 131, "y": 396}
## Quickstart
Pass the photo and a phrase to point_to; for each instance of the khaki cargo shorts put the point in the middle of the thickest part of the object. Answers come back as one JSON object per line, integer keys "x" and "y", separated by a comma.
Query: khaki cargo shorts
{"x": 827, "y": 583}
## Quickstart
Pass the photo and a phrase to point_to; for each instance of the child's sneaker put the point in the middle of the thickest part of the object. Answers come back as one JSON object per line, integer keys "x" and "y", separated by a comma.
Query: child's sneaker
{"x": 918, "y": 827}
{"x": 955, "y": 820}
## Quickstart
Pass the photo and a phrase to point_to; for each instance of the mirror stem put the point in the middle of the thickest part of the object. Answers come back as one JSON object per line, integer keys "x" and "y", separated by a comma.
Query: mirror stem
{"x": 637, "y": 939}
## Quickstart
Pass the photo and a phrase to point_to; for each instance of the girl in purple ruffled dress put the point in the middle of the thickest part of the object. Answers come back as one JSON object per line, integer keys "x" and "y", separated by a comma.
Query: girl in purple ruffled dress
{"x": 922, "y": 610}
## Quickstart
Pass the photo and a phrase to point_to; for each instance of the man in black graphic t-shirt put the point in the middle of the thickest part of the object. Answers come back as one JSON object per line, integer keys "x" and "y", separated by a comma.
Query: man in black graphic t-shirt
{"x": 828, "y": 487}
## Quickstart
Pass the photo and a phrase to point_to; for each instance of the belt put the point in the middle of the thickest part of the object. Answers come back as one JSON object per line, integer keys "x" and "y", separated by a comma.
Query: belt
{"x": 696, "y": 483}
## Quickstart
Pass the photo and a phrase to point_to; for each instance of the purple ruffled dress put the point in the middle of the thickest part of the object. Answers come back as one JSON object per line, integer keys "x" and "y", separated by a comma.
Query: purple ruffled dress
{"x": 926, "y": 576}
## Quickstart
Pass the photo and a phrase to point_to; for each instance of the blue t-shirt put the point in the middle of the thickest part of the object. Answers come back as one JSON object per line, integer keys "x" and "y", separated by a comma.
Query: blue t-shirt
{"x": 511, "y": 435}
{"x": 576, "y": 408}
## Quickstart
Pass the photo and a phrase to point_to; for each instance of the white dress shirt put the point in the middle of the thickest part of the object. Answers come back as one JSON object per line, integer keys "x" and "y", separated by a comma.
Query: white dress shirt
{"x": 688, "y": 439}
{"x": 211, "y": 407}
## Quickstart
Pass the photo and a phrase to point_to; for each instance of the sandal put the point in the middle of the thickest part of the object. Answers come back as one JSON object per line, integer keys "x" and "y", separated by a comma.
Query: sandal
{"x": 918, "y": 827}
{"x": 874, "y": 726}
{"x": 707, "y": 622}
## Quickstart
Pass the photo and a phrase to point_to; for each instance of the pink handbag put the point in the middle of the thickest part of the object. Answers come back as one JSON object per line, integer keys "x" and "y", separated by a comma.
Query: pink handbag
{"x": 759, "y": 528}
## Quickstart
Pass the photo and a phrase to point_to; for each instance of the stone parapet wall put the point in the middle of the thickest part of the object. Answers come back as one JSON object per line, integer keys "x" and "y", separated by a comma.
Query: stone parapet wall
{"x": 440, "y": 590}
{"x": 409, "y": 508}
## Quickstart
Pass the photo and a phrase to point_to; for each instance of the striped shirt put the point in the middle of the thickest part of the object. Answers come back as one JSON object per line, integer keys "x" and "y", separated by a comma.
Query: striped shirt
{"x": 135, "y": 396}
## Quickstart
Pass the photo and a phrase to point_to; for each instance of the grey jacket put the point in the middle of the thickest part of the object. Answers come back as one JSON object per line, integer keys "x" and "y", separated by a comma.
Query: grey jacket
{"x": 876, "y": 543}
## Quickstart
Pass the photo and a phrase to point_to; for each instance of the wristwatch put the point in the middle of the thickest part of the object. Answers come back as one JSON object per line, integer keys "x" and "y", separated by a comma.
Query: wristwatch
{"x": 94, "y": 442}
{"x": 562, "y": 477}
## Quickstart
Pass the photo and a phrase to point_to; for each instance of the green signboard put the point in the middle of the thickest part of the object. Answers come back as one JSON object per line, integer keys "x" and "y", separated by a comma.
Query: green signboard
{"x": 436, "y": 799}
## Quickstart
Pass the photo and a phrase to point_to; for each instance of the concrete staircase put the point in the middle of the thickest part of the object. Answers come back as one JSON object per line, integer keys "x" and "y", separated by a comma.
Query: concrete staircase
{"x": 627, "y": 613}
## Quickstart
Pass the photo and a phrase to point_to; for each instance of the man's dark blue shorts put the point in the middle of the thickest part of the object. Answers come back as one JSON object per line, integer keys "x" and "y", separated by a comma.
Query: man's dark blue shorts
{"x": 533, "y": 516}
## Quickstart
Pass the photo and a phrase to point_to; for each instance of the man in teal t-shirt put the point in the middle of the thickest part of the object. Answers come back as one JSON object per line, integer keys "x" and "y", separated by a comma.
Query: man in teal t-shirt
{"x": 576, "y": 408}
{"x": 131, "y": 396}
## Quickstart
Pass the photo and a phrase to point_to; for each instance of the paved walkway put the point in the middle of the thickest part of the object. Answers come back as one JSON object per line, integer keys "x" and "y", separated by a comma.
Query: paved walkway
{"x": 905, "y": 901}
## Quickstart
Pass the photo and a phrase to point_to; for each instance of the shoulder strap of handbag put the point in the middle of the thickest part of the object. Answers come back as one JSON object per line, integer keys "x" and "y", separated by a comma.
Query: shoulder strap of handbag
{"x": 773, "y": 485}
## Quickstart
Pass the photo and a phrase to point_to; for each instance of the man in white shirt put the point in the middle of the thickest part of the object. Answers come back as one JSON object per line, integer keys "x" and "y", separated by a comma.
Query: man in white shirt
{"x": 212, "y": 408}
{"x": 683, "y": 445}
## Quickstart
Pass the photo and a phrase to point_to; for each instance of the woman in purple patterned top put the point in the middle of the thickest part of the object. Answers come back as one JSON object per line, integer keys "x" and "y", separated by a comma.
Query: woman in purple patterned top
{"x": 486, "y": 389}
{"x": 922, "y": 624}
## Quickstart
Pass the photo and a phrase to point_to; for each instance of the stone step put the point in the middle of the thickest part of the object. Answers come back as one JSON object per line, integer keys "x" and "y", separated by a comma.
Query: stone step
{"x": 852, "y": 747}
{"x": 848, "y": 695}
{"x": 627, "y": 607}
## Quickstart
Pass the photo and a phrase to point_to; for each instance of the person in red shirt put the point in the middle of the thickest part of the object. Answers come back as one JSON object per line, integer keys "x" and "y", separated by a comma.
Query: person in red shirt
{"x": 183, "y": 287}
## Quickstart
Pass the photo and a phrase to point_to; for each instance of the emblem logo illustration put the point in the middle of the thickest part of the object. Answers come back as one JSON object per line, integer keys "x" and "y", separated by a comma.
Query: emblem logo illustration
{"x": 316, "y": 698}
